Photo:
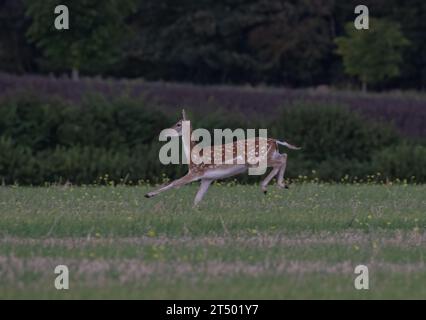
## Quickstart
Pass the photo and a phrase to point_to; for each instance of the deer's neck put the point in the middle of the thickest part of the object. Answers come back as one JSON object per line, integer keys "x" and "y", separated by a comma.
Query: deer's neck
{"x": 188, "y": 144}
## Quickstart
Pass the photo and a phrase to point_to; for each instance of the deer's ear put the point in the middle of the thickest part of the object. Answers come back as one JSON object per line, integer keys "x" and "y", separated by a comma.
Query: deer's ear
{"x": 183, "y": 115}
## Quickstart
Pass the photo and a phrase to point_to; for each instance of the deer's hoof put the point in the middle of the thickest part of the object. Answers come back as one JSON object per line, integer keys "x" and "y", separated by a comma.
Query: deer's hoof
{"x": 283, "y": 186}
{"x": 265, "y": 192}
{"x": 147, "y": 195}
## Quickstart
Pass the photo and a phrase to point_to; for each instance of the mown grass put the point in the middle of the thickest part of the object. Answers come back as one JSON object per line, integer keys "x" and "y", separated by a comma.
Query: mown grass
{"x": 299, "y": 243}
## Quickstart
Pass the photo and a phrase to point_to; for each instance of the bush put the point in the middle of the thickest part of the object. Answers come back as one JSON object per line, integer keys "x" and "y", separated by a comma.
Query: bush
{"x": 332, "y": 132}
{"x": 335, "y": 141}
{"x": 111, "y": 124}
{"x": 48, "y": 140}
{"x": 32, "y": 122}
{"x": 403, "y": 161}
{"x": 16, "y": 162}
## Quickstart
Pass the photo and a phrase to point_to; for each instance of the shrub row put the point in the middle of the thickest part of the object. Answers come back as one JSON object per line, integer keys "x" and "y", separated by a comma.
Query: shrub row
{"x": 50, "y": 140}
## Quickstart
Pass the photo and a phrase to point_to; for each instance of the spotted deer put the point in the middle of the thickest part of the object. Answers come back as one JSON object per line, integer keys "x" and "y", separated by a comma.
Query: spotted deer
{"x": 209, "y": 172}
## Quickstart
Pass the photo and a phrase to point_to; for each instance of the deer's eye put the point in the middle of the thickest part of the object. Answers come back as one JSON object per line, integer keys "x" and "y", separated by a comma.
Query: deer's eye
{"x": 178, "y": 124}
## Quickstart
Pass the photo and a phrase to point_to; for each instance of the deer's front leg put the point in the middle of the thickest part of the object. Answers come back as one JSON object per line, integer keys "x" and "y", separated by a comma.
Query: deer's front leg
{"x": 205, "y": 184}
{"x": 174, "y": 184}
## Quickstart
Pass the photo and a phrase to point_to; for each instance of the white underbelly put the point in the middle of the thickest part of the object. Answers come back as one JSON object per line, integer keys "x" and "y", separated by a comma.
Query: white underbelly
{"x": 224, "y": 172}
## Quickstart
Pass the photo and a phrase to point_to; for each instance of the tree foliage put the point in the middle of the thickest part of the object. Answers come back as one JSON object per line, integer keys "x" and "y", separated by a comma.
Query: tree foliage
{"x": 375, "y": 54}
{"x": 233, "y": 41}
{"x": 282, "y": 42}
{"x": 97, "y": 29}
{"x": 16, "y": 55}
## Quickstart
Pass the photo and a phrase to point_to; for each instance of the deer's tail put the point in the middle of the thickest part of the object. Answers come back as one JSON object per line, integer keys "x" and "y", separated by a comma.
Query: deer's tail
{"x": 288, "y": 145}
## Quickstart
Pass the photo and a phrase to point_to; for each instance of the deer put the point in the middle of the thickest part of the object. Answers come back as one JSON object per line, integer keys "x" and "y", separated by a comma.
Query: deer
{"x": 209, "y": 172}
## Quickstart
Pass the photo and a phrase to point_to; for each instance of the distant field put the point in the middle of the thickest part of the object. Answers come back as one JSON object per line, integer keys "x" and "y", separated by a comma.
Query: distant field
{"x": 405, "y": 110}
{"x": 299, "y": 243}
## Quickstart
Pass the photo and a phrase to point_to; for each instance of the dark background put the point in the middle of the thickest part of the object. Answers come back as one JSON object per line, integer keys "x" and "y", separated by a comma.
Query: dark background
{"x": 286, "y": 43}
{"x": 79, "y": 104}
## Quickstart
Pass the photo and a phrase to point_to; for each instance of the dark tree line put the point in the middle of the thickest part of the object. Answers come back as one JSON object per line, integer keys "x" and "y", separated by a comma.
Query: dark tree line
{"x": 282, "y": 42}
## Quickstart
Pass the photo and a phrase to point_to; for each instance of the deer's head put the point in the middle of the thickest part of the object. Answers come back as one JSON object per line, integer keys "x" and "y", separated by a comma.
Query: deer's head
{"x": 178, "y": 126}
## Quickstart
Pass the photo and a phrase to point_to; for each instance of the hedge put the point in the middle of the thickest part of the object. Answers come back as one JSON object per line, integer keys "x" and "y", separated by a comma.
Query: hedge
{"x": 48, "y": 140}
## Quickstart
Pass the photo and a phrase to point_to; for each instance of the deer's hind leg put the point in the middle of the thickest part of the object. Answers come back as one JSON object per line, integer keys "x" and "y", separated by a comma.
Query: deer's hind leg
{"x": 280, "y": 179}
{"x": 278, "y": 163}
{"x": 268, "y": 179}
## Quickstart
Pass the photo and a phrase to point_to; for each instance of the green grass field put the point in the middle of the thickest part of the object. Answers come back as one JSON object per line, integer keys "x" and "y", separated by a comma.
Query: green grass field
{"x": 299, "y": 243}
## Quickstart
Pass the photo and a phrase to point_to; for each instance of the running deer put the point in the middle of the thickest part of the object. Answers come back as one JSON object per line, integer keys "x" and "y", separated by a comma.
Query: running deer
{"x": 208, "y": 172}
